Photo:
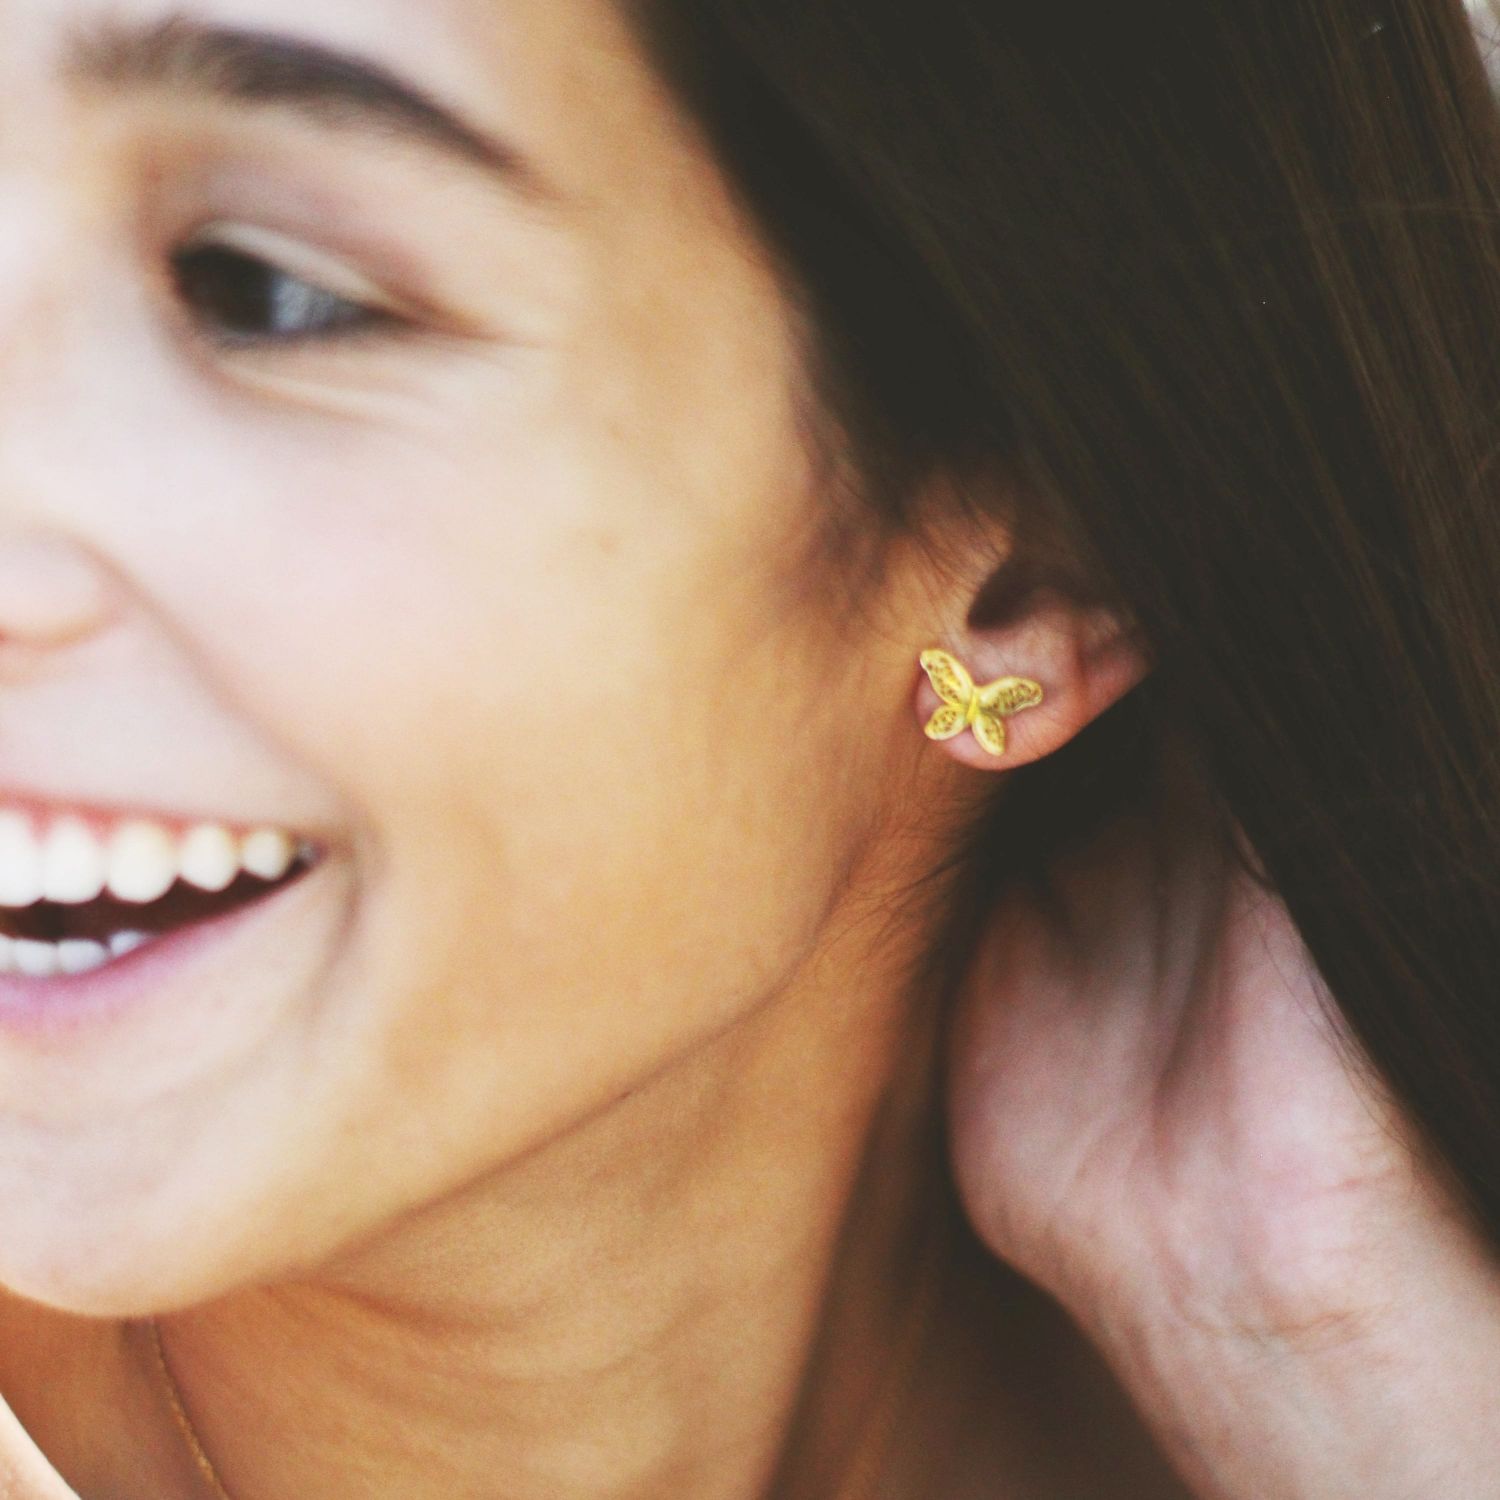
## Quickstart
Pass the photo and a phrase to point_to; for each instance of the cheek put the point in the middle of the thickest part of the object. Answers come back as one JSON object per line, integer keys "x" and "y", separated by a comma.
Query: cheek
{"x": 587, "y": 736}
{"x": 614, "y": 828}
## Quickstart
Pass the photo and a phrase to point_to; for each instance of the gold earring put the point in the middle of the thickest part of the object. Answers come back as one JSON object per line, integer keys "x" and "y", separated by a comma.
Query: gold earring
{"x": 982, "y": 709}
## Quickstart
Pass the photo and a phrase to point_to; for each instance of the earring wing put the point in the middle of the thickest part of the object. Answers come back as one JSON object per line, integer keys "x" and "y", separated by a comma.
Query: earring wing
{"x": 946, "y": 722}
{"x": 1009, "y": 695}
{"x": 949, "y": 678}
{"x": 989, "y": 730}
{"x": 998, "y": 700}
{"x": 951, "y": 682}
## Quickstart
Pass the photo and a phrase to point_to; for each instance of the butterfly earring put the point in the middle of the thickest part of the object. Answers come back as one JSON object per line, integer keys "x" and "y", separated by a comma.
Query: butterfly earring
{"x": 982, "y": 709}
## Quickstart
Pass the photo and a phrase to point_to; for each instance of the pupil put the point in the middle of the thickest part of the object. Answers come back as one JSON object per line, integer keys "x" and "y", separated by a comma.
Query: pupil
{"x": 228, "y": 286}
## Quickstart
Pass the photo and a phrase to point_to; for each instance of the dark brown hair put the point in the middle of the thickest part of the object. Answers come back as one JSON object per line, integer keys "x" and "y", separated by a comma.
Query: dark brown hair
{"x": 1202, "y": 300}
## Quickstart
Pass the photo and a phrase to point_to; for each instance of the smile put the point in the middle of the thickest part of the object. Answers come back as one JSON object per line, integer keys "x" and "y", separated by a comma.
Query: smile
{"x": 80, "y": 893}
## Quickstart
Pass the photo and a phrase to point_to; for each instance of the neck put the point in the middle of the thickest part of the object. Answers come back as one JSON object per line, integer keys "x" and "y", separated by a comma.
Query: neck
{"x": 698, "y": 1292}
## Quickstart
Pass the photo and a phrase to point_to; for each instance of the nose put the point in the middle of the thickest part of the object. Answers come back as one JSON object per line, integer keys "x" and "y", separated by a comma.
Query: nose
{"x": 53, "y": 593}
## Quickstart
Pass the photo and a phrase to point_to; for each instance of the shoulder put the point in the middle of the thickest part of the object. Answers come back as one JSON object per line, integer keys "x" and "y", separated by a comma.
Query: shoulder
{"x": 25, "y": 1472}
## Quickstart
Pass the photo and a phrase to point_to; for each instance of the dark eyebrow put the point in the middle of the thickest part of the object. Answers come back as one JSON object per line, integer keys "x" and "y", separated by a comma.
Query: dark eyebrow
{"x": 328, "y": 86}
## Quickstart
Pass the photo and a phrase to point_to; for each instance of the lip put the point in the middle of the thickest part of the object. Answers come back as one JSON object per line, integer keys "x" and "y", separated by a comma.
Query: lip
{"x": 73, "y": 1007}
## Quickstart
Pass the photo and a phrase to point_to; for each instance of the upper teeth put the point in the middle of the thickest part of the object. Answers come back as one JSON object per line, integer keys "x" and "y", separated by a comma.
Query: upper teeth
{"x": 72, "y": 861}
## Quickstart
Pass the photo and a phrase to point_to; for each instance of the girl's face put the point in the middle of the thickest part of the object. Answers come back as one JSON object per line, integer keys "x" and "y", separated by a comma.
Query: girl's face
{"x": 401, "y": 448}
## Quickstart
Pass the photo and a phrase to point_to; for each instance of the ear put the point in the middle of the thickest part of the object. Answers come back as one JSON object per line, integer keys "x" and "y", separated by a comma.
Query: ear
{"x": 1083, "y": 657}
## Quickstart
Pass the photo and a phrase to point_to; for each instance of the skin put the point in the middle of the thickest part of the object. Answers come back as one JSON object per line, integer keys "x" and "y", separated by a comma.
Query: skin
{"x": 1219, "y": 1188}
{"x": 522, "y": 1149}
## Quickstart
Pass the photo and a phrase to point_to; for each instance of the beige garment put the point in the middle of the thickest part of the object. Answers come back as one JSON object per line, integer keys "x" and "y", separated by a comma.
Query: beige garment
{"x": 25, "y": 1473}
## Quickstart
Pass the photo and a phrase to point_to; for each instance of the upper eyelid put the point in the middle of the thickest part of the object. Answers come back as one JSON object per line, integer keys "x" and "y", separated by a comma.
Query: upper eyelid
{"x": 323, "y": 222}
{"x": 295, "y": 257}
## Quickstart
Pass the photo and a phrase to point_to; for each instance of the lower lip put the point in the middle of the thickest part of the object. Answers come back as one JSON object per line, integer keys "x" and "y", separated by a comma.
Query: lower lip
{"x": 67, "y": 1005}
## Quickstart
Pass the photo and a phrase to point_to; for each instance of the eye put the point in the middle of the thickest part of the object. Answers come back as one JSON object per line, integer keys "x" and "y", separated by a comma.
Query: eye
{"x": 240, "y": 297}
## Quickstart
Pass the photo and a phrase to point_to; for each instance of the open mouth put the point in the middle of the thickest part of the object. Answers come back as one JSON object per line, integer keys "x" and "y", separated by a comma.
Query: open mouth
{"x": 106, "y": 917}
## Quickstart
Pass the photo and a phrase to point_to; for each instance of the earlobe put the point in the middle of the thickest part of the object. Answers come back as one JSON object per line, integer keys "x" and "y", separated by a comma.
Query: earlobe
{"x": 1079, "y": 665}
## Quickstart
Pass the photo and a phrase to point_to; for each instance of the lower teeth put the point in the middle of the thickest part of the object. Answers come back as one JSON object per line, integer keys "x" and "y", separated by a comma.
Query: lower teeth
{"x": 36, "y": 960}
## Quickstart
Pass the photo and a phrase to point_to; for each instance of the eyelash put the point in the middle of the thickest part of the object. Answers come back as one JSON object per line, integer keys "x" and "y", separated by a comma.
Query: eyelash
{"x": 243, "y": 300}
